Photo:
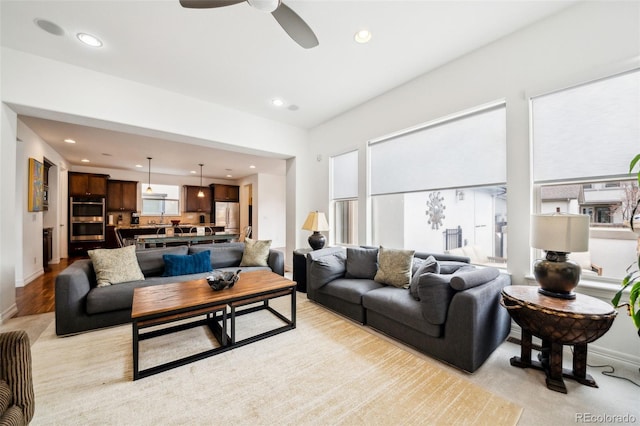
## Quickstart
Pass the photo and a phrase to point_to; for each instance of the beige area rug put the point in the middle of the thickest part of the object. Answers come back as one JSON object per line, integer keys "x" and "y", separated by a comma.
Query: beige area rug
{"x": 326, "y": 371}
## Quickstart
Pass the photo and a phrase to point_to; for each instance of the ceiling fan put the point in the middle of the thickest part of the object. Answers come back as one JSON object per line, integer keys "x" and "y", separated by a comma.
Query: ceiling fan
{"x": 293, "y": 24}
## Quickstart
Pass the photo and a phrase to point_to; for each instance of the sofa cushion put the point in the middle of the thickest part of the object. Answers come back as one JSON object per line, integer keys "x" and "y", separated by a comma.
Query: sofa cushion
{"x": 398, "y": 305}
{"x": 435, "y": 294}
{"x": 467, "y": 278}
{"x": 451, "y": 266}
{"x": 177, "y": 264}
{"x": 222, "y": 254}
{"x": 151, "y": 262}
{"x": 256, "y": 252}
{"x": 118, "y": 297}
{"x": 114, "y": 266}
{"x": 394, "y": 267}
{"x": 362, "y": 262}
{"x": 429, "y": 264}
{"x": 350, "y": 289}
{"x": 325, "y": 269}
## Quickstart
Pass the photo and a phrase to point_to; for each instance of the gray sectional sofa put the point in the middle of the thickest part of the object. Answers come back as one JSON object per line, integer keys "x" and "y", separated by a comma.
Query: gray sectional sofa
{"x": 82, "y": 306}
{"x": 450, "y": 311}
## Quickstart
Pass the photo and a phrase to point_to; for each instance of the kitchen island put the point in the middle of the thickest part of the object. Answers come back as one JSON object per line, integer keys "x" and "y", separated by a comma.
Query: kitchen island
{"x": 162, "y": 240}
{"x": 129, "y": 234}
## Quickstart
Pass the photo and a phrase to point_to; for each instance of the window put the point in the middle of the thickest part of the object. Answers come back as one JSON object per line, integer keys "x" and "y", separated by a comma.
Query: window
{"x": 583, "y": 140}
{"x": 344, "y": 193}
{"x": 164, "y": 200}
{"x": 426, "y": 196}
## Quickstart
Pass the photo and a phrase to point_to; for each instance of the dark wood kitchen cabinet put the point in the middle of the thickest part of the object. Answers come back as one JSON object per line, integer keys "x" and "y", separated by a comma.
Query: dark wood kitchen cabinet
{"x": 87, "y": 185}
{"x": 122, "y": 195}
{"x": 226, "y": 192}
{"x": 193, "y": 203}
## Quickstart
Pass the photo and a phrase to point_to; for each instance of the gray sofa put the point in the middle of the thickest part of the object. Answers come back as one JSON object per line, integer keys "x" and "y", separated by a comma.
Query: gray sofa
{"x": 453, "y": 315}
{"x": 81, "y": 306}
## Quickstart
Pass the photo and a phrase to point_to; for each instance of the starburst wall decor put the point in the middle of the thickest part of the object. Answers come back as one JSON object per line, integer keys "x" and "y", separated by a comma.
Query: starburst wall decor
{"x": 435, "y": 210}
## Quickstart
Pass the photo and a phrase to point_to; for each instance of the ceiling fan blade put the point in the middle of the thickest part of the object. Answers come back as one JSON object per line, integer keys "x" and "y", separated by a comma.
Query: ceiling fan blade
{"x": 297, "y": 29}
{"x": 208, "y": 4}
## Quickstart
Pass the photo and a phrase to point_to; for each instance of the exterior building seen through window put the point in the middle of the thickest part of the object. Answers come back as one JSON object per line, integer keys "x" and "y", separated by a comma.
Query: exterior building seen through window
{"x": 163, "y": 201}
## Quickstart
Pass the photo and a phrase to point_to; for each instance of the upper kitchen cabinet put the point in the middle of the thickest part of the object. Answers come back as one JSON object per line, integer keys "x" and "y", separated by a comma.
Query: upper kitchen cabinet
{"x": 87, "y": 185}
{"x": 193, "y": 203}
{"x": 122, "y": 195}
{"x": 226, "y": 192}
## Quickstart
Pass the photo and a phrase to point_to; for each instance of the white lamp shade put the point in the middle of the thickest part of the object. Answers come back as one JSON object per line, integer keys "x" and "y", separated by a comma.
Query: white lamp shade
{"x": 316, "y": 221}
{"x": 567, "y": 233}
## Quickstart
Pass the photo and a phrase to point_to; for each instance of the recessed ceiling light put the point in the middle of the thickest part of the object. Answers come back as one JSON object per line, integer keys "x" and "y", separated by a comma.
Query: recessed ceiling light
{"x": 229, "y": 176}
{"x": 193, "y": 172}
{"x": 89, "y": 40}
{"x": 362, "y": 36}
{"x": 139, "y": 165}
{"x": 84, "y": 160}
{"x": 277, "y": 102}
{"x": 69, "y": 141}
{"x": 49, "y": 27}
{"x": 252, "y": 166}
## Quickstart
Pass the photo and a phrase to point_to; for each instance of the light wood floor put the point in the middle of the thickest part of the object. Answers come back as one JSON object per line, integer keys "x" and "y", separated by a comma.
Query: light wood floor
{"x": 38, "y": 296}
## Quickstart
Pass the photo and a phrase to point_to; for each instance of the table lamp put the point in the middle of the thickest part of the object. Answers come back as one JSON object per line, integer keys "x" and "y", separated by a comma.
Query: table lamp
{"x": 316, "y": 222}
{"x": 558, "y": 234}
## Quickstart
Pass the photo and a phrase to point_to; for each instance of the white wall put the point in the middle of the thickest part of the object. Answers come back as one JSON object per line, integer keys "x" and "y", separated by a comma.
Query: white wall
{"x": 584, "y": 42}
{"x": 30, "y": 224}
{"x": 8, "y": 213}
{"x": 271, "y": 199}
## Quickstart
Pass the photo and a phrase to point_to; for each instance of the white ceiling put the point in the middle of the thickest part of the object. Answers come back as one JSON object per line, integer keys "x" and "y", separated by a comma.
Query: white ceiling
{"x": 239, "y": 57}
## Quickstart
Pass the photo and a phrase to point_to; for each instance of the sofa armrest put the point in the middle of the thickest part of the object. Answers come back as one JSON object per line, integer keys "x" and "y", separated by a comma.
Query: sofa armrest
{"x": 15, "y": 370}
{"x": 276, "y": 261}
{"x": 72, "y": 286}
{"x": 476, "y": 323}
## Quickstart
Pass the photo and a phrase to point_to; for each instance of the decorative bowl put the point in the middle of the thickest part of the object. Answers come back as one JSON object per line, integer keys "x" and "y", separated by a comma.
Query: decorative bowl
{"x": 220, "y": 280}
{"x": 175, "y": 222}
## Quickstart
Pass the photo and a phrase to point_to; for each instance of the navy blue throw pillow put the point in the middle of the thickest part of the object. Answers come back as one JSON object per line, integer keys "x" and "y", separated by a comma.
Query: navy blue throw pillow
{"x": 175, "y": 264}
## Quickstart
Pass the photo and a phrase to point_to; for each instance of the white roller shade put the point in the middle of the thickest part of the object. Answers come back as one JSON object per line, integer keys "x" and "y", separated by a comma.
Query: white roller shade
{"x": 465, "y": 151}
{"x": 592, "y": 130}
{"x": 344, "y": 176}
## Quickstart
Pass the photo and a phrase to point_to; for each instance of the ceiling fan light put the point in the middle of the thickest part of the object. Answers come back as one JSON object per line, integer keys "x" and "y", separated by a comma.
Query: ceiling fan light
{"x": 264, "y": 5}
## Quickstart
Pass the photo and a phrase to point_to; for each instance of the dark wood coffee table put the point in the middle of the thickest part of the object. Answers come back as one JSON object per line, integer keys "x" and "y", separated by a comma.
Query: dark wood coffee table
{"x": 167, "y": 303}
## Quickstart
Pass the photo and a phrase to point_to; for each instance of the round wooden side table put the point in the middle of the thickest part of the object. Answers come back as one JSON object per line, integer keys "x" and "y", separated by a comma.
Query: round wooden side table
{"x": 557, "y": 322}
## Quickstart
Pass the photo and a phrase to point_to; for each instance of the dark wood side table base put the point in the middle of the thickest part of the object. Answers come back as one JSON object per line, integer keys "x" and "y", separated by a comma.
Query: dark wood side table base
{"x": 550, "y": 361}
{"x": 557, "y": 322}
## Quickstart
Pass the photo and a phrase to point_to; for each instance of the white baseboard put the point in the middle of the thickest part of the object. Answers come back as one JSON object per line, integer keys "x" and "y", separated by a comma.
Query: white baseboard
{"x": 29, "y": 278}
{"x": 10, "y": 312}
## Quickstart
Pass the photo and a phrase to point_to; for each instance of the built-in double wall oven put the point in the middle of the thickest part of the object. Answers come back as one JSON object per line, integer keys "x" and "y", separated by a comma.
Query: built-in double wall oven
{"x": 87, "y": 219}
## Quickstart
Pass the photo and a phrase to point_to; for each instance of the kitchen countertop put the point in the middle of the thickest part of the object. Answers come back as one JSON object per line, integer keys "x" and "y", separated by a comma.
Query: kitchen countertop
{"x": 157, "y": 225}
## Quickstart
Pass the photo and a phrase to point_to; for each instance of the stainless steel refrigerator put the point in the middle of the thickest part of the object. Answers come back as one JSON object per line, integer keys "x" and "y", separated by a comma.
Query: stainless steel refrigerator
{"x": 228, "y": 215}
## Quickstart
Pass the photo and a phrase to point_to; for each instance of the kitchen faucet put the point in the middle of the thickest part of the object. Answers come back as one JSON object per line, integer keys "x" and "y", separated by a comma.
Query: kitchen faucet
{"x": 161, "y": 218}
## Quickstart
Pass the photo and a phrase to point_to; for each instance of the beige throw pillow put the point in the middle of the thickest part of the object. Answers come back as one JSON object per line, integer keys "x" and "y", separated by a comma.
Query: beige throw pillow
{"x": 256, "y": 252}
{"x": 394, "y": 267}
{"x": 113, "y": 266}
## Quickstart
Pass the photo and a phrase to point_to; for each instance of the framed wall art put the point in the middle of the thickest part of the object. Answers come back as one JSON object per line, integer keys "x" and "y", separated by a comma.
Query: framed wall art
{"x": 36, "y": 185}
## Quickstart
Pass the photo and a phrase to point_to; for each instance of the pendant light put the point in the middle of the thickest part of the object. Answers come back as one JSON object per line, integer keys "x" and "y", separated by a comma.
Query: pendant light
{"x": 201, "y": 193}
{"x": 149, "y": 190}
